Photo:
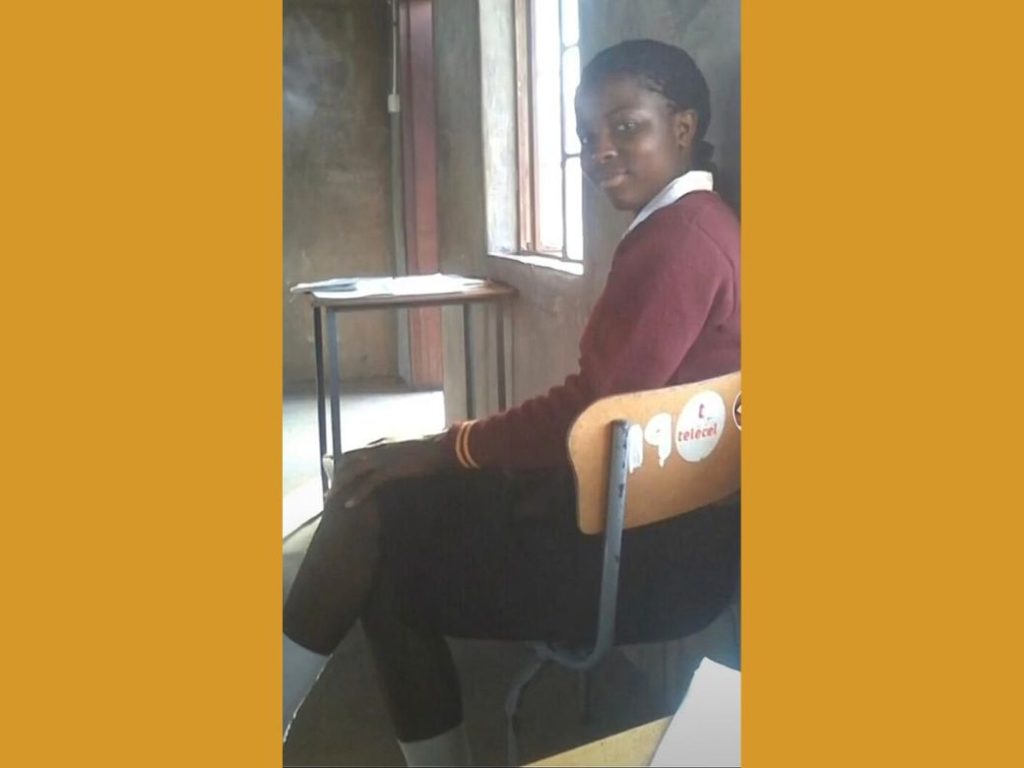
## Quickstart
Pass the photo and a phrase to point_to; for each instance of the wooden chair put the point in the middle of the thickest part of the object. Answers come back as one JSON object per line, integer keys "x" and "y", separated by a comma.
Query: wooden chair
{"x": 674, "y": 450}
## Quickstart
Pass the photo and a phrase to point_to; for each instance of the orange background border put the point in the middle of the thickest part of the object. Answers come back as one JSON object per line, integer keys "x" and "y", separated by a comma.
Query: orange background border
{"x": 879, "y": 152}
{"x": 144, "y": 312}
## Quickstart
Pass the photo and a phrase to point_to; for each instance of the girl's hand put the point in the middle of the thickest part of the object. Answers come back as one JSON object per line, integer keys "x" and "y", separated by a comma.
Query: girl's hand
{"x": 361, "y": 472}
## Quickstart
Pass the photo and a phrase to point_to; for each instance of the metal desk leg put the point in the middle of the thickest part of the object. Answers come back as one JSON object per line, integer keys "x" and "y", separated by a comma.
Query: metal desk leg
{"x": 321, "y": 415}
{"x": 501, "y": 355}
{"x": 335, "y": 375}
{"x": 467, "y": 357}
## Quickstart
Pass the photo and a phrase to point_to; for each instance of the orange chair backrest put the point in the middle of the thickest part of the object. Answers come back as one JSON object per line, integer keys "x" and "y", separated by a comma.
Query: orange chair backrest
{"x": 684, "y": 450}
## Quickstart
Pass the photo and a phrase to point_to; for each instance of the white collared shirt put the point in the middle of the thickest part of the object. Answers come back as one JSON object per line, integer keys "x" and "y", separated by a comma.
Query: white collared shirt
{"x": 691, "y": 181}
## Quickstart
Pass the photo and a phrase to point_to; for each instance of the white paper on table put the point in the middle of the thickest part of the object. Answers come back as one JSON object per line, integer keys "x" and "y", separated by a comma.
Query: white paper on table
{"x": 365, "y": 286}
{"x": 435, "y": 283}
{"x": 334, "y": 284}
{"x": 705, "y": 731}
{"x": 351, "y": 288}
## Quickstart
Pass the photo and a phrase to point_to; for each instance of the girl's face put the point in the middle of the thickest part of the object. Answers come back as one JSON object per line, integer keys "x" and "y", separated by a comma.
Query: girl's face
{"x": 633, "y": 144}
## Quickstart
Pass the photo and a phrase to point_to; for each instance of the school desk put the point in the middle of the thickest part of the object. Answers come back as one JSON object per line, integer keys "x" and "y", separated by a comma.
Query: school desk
{"x": 633, "y": 747}
{"x": 409, "y": 292}
{"x": 704, "y": 731}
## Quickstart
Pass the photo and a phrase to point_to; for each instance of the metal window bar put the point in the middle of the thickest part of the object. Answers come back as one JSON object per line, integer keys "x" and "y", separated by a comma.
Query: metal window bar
{"x": 562, "y": 117}
{"x": 564, "y": 124}
{"x": 537, "y": 244}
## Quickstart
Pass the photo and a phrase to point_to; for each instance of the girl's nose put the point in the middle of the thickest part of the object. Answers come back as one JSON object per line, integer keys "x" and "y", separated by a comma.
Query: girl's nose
{"x": 602, "y": 150}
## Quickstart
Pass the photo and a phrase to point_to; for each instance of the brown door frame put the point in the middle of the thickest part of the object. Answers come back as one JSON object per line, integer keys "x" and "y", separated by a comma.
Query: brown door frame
{"x": 419, "y": 169}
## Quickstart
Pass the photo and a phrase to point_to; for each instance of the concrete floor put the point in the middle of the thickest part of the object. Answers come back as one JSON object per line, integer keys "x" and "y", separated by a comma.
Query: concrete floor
{"x": 343, "y": 721}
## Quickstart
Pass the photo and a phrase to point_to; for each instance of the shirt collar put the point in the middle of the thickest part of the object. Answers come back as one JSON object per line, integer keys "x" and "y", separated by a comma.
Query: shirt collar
{"x": 691, "y": 181}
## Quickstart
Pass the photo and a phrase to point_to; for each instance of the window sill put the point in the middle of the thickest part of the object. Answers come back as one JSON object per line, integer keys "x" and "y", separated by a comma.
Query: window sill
{"x": 546, "y": 262}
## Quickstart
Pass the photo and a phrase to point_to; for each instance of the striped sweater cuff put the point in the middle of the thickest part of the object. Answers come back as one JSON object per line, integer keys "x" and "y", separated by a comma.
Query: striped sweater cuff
{"x": 462, "y": 454}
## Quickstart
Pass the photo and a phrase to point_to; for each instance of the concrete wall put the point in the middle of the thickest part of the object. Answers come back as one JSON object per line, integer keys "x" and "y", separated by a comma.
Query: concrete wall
{"x": 337, "y": 198}
{"x": 552, "y": 307}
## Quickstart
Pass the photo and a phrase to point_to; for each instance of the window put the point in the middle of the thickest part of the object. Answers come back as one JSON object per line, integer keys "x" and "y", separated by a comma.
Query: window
{"x": 550, "y": 178}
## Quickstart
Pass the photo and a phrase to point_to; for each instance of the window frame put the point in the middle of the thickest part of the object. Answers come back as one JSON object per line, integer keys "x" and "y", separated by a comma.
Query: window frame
{"x": 527, "y": 126}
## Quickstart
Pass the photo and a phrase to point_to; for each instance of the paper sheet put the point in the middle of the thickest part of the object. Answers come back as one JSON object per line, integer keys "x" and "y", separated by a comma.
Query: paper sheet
{"x": 705, "y": 731}
{"x": 388, "y": 286}
{"x": 334, "y": 284}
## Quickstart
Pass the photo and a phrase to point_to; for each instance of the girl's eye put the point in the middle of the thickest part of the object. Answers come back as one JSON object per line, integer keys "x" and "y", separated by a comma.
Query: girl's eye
{"x": 626, "y": 126}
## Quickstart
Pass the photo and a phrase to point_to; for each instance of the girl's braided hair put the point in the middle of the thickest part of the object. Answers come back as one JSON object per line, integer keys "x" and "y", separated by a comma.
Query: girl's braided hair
{"x": 664, "y": 69}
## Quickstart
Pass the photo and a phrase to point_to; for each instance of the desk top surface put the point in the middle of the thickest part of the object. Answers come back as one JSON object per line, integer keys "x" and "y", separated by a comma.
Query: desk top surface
{"x": 633, "y": 747}
{"x": 411, "y": 291}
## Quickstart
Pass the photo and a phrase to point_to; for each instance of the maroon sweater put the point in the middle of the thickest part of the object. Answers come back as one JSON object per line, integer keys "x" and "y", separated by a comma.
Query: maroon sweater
{"x": 669, "y": 314}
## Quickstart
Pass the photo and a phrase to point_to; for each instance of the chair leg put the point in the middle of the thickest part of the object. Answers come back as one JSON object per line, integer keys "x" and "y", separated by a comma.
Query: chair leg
{"x": 663, "y": 686}
{"x": 519, "y": 683}
{"x": 585, "y": 690}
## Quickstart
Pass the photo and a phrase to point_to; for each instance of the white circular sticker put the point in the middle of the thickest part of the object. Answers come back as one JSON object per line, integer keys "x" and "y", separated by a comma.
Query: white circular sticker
{"x": 700, "y": 425}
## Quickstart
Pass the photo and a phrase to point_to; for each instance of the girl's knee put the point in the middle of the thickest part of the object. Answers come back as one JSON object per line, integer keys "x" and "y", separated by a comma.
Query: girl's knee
{"x": 304, "y": 629}
{"x": 366, "y": 514}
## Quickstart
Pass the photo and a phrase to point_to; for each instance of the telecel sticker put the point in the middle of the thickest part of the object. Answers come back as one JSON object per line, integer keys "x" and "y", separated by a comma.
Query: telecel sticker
{"x": 737, "y": 411}
{"x": 700, "y": 425}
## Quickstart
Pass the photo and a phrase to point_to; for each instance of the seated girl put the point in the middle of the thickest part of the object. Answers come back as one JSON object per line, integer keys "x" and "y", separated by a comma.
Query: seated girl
{"x": 472, "y": 533}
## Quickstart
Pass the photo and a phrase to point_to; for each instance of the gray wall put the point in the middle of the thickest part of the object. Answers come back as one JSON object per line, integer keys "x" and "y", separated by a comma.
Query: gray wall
{"x": 552, "y": 307}
{"x": 337, "y": 199}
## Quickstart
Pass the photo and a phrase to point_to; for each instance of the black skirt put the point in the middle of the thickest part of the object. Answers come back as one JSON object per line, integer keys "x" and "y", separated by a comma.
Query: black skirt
{"x": 498, "y": 555}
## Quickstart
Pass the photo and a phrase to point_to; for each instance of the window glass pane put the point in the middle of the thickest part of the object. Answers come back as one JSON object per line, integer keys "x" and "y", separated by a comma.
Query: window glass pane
{"x": 547, "y": 125}
{"x": 570, "y": 22}
{"x": 549, "y": 204}
{"x": 570, "y": 79}
{"x": 573, "y": 209}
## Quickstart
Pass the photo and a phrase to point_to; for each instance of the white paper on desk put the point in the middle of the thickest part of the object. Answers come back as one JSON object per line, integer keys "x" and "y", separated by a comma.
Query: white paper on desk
{"x": 335, "y": 284}
{"x": 409, "y": 285}
{"x": 364, "y": 286}
{"x": 705, "y": 731}
{"x": 436, "y": 283}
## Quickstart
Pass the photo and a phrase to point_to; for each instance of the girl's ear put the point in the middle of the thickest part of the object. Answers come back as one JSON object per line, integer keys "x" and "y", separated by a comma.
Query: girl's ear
{"x": 685, "y": 125}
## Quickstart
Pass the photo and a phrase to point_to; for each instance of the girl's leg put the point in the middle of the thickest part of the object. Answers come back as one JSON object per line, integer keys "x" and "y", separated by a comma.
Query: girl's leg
{"x": 415, "y": 668}
{"x": 327, "y": 596}
{"x": 419, "y": 683}
{"x": 335, "y": 577}
{"x": 450, "y": 532}
{"x": 451, "y": 564}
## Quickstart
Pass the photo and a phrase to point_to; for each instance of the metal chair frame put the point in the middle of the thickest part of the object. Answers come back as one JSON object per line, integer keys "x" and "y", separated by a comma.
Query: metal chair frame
{"x": 705, "y": 481}
{"x": 583, "y": 659}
